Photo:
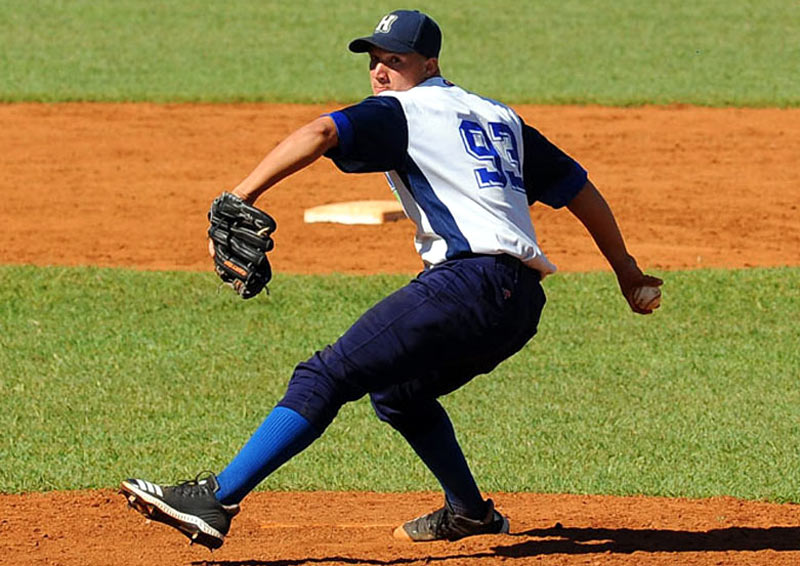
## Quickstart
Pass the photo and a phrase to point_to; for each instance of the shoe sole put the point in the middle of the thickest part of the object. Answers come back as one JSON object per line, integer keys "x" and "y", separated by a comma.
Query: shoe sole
{"x": 401, "y": 533}
{"x": 154, "y": 508}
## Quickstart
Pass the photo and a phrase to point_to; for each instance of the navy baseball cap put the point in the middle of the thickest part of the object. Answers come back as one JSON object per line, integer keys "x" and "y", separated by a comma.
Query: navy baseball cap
{"x": 403, "y": 31}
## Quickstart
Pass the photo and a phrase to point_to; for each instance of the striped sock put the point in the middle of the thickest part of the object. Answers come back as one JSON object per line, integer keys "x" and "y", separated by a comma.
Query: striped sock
{"x": 283, "y": 434}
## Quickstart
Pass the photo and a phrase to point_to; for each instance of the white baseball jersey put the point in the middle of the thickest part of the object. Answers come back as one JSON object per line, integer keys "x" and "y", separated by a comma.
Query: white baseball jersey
{"x": 456, "y": 161}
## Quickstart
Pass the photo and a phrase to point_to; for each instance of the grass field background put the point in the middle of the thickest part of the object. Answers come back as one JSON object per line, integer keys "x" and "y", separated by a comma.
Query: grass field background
{"x": 109, "y": 373}
{"x": 711, "y": 52}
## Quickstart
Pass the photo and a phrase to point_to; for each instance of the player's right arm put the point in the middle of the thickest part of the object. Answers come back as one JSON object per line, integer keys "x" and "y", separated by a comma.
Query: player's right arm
{"x": 593, "y": 211}
{"x": 555, "y": 179}
{"x": 295, "y": 152}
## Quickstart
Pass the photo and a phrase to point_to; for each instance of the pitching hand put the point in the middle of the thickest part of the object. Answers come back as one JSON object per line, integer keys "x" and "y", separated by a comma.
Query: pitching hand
{"x": 631, "y": 278}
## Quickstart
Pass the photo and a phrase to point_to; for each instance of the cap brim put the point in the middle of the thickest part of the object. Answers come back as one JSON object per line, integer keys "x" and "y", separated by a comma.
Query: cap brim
{"x": 364, "y": 44}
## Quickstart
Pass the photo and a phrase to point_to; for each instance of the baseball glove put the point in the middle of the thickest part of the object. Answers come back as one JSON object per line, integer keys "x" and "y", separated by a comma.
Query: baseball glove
{"x": 241, "y": 235}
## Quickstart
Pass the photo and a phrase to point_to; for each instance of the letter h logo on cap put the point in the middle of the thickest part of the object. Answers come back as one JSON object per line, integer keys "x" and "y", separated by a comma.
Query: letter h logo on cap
{"x": 385, "y": 25}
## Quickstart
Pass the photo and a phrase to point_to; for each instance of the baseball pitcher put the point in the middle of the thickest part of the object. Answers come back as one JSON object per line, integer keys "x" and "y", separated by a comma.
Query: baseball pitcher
{"x": 466, "y": 169}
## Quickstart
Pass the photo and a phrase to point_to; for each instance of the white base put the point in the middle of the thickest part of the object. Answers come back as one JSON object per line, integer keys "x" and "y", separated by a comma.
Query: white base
{"x": 356, "y": 212}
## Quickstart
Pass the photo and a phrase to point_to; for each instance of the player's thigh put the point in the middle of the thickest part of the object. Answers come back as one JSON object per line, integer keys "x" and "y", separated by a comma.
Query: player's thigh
{"x": 433, "y": 321}
{"x": 445, "y": 327}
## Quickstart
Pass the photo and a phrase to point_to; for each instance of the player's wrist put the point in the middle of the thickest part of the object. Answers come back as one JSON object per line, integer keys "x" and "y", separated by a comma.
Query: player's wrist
{"x": 625, "y": 266}
{"x": 246, "y": 196}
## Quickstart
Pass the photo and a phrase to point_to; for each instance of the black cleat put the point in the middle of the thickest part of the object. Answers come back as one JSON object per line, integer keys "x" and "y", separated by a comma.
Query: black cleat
{"x": 190, "y": 507}
{"x": 444, "y": 524}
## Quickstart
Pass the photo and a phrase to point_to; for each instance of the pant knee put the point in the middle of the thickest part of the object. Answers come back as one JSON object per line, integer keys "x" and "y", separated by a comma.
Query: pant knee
{"x": 408, "y": 417}
{"x": 317, "y": 391}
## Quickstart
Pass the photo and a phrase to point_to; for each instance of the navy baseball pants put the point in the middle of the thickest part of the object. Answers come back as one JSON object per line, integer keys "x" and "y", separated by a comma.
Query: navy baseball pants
{"x": 451, "y": 323}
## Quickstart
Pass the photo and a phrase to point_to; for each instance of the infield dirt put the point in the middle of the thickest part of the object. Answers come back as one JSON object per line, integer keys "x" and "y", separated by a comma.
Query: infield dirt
{"x": 130, "y": 185}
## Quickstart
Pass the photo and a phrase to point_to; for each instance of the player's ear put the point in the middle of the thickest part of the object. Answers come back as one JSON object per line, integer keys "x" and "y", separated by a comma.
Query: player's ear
{"x": 431, "y": 67}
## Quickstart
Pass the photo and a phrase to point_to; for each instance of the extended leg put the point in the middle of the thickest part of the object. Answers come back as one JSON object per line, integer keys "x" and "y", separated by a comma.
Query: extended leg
{"x": 282, "y": 435}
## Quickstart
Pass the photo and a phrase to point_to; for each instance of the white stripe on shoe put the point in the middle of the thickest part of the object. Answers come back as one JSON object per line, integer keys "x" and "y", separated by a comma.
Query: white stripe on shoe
{"x": 150, "y": 487}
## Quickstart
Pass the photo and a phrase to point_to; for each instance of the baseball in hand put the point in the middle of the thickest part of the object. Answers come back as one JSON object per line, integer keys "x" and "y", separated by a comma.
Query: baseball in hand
{"x": 647, "y": 298}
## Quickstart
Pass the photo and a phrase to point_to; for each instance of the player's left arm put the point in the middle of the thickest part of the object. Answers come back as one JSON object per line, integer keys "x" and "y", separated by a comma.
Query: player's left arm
{"x": 589, "y": 206}
{"x": 366, "y": 137}
{"x": 295, "y": 152}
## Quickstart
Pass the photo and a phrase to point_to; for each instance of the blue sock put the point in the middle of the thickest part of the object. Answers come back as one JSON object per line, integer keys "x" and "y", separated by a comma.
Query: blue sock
{"x": 282, "y": 435}
{"x": 438, "y": 448}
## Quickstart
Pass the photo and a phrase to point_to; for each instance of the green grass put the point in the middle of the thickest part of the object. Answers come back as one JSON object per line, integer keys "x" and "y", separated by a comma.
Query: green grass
{"x": 106, "y": 373}
{"x": 625, "y": 52}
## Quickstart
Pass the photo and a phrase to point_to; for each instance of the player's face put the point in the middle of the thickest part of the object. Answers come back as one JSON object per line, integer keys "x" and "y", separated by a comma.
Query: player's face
{"x": 398, "y": 71}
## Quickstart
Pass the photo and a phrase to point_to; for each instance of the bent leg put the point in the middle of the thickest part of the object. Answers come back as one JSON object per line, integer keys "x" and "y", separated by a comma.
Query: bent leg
{"x": 428, "y": 430}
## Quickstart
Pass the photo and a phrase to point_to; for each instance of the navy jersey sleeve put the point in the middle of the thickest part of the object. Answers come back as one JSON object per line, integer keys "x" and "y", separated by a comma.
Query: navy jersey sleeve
{"x": 551, "y": 176}
{"x": 373, "y": 136}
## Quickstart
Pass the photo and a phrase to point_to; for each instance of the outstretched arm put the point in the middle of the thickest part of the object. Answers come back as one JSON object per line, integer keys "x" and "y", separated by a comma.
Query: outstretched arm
{"x": 593, "y": 211}
{"x": 295, "y": 152}
{"x": 298, "y": 150}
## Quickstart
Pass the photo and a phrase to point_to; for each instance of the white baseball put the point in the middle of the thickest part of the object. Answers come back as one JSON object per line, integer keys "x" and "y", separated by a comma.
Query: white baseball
{"x": 647, "y": 298}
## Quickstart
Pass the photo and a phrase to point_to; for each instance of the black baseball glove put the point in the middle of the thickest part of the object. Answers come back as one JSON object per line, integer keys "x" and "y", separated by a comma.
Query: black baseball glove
{"x": 241, "y": 235}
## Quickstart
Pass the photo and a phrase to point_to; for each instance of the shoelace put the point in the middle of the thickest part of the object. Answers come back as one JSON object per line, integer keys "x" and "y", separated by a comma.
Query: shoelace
{"x": 445, "y": 523}
{"x": 438, "y": 521}
{"x": 194, "y": 487}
